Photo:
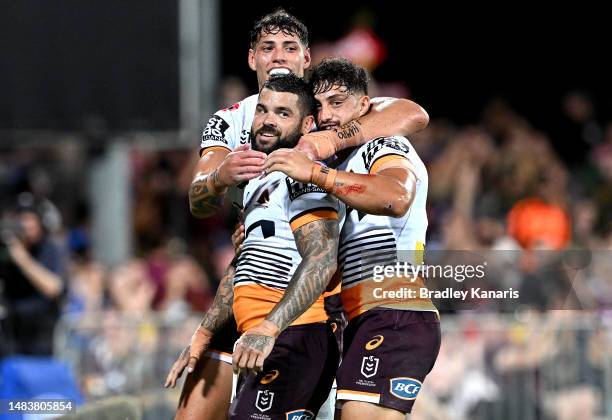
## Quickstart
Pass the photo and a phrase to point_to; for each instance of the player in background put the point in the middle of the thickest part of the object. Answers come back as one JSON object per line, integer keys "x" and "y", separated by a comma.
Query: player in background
{"x": 390, "y": 344}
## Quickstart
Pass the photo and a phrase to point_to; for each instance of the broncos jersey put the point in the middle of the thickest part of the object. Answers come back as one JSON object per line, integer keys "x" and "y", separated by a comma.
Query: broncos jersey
{"x": 368, "y": 242}
{"x": 275, "y": 206}
{"x": 229, "y": 128}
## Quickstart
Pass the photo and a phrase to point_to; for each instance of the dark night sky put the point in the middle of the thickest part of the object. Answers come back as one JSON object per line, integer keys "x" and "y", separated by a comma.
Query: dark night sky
{"x": 64, "y": 60}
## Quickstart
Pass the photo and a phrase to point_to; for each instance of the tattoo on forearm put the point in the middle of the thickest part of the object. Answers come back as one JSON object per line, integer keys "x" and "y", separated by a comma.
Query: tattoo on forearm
{"x": 202, "y": 200}
{"x": 215, "y": 178}
{"x": 348, "y": 130}
{"x": 317, "y": 242}
{"x": 221, "y": 309}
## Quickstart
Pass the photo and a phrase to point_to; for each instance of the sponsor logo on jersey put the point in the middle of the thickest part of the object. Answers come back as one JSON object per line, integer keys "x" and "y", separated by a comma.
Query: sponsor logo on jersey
{"x": 374, "y": 146}
{"x": 297, "y": 189}
{"x": 215, "y": 129}
{"x": 269, "y": 377}
{"x": 405, "y": 388}
{"x": 299, "y": 415}
{"x": 375, "y": 342}
{"x": 369, "y": 366}
{"x": 264, "y": 400}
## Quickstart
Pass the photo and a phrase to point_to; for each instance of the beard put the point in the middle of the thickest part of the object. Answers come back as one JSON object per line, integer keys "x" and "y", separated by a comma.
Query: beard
{"x": 288, "y": 141}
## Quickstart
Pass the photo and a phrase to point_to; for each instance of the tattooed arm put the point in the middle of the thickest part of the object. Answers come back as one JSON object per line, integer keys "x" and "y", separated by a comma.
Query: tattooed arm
{"x": 317, "y": 243}
{"x": 388, "y": 190}
{"x": 221, "y": 309}
{"x": 217, "y": 315}
{"x": 386, "y": 117}
{"x": 216, "y": 171}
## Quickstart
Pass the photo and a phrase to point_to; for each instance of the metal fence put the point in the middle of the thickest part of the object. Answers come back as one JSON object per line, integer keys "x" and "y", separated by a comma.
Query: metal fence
{"x": 531, "y": 366}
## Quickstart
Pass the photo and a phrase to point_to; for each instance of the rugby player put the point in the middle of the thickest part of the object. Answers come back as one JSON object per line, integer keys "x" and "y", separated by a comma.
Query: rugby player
{"x": 279, "y": 44}
{"x": 288, "y": 258}
{"x": 390, "y": 345}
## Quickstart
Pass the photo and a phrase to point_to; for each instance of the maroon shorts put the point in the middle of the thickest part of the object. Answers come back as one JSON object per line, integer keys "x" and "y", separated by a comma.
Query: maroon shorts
{"x": 387, "y": 354}
{"x": 336, "y": 318}
{"x": 296, "y": 378}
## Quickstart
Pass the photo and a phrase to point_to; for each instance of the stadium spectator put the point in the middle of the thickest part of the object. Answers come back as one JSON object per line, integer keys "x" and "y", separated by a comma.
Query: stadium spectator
{"x": 33, "y": 275}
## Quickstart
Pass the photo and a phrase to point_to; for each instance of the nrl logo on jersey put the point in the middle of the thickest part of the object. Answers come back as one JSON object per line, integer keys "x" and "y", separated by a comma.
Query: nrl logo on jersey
{"x": 297, "y": 189}
{"x": 369, "y": 366}
{"x": 264, "y": 400}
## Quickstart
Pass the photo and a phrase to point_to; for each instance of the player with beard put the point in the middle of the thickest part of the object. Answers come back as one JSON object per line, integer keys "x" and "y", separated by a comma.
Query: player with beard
{"x": 279, "y": 44}
{"x": 288, "y": 258}
{"x": 390, "y": 344}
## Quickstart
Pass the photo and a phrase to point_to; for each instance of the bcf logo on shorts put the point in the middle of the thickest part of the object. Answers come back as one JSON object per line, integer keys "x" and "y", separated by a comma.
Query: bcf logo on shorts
{"x": 264, "y": 400}
{"x": 299, "y": 415}
{"x": 369, "y": 366}
{"x": 405, "y": 388}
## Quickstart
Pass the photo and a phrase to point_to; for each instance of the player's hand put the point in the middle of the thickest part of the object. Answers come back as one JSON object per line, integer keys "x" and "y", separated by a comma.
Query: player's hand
{"x": 240, "y": 165}
{"x": 318, "y": 145}
{"x": 293, "y": 163}
{"x": 253, "y": 347}
{"x": 238, "y": 237}
{"x": 177, "y": 368}
{"x": 189, "y": 356}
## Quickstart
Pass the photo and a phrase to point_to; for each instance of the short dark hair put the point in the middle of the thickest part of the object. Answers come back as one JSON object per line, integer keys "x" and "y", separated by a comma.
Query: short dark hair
{"x": 293, "y": 84}
{"x": 338, "y": 72}
{"x": 279, "y": 21}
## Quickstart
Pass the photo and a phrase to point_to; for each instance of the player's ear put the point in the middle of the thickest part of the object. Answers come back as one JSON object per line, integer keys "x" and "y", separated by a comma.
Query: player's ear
{"x": 364, "y": 105}
{"x": 307, "y": 58}
{"x": 307, "y": 124}
{"x": 252, "y": 59}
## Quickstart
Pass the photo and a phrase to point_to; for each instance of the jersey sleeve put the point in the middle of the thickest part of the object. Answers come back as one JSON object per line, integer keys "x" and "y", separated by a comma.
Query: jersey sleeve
{"x": 384, "y": 149}
{"x": 307, "y": 203}
{"x": 221, "y": 130}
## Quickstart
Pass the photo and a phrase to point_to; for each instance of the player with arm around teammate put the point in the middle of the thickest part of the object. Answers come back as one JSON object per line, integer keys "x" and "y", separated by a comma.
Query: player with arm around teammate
{"x": 390, "y": 344}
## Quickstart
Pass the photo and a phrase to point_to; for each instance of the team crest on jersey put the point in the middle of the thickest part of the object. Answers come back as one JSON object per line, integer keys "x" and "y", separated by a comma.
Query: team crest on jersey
{"x": 369, "y": 366}
{"x": 299, "y": 415}
{"x": 264, "y": 400}
{"x": 215, "y": 129}
{"x": 405, "y": 388}
{"x": 297, "y": 189}
{"x": 264, "y": 199}
{"x": 376, "y": 145}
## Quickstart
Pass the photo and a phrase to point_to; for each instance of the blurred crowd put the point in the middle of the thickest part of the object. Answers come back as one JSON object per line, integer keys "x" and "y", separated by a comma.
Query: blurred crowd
{"x": 499, "y": 184}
